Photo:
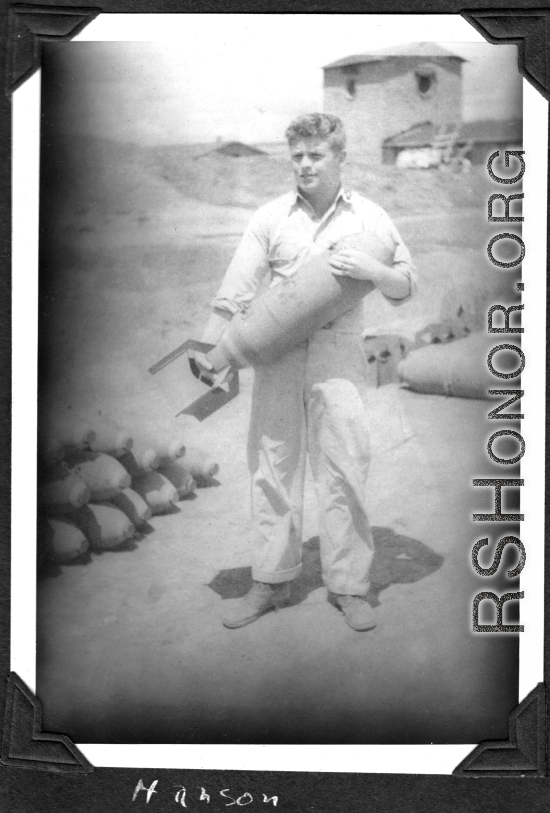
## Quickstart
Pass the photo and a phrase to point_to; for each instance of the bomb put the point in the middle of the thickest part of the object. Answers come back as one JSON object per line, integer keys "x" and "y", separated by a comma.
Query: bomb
{"x": 167, "y": 445}
{"x": 157, "y": 491}
{"x": 103, "y": 525}
{"x": 141, "y": 457}
{"x": 111, "y": 439}
{"x": 288, "y": 313}
{"x": 62, "y": 492}
{"x": 59, "y": 541}
{"x": 457, "y": 368}
{"x": 104, "y": 476}
{"x": 170, "y": 448}
{"x": 179, "y": 476}
{"x": 200, "y": 465}
{"x": 133, "y": 505}
{"x": 55, "y": 443}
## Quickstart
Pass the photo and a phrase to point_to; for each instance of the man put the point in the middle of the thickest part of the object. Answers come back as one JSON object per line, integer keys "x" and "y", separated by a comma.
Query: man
{"x": 307, "y": 404}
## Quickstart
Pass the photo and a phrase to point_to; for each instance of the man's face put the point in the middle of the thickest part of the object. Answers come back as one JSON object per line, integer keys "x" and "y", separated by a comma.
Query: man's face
{"x": 316, "y": 167}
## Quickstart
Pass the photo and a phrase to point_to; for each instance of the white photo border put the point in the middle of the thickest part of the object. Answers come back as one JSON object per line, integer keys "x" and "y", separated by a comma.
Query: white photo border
{"x": 417, "y": 759}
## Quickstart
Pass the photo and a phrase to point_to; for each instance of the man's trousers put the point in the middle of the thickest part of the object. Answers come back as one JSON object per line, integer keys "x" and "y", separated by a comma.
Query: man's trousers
{"x": 308, "y": 404}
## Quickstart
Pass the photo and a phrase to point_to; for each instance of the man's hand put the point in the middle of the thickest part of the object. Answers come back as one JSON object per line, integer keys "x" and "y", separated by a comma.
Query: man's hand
{"x": 350, "y": 262}
{"x": 392, "y": 282}
{"x": 206, "y": 369}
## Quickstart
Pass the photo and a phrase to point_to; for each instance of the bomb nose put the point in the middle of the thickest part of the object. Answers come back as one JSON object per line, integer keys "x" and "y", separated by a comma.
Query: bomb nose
{"x": 124, "y": 480}
{"x": 124, "y": 442}
{"x": 80, "y": 494}
{"x": 176, "y": 449}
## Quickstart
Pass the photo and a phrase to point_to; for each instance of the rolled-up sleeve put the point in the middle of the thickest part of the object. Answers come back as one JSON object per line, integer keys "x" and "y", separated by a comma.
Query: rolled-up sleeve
{"x": 402, "y": 260}
{"x": 247, "y": 268}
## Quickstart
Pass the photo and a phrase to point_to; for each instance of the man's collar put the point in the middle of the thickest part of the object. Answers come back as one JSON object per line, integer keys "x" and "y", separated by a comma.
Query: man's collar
{"x": 342, "y": 194}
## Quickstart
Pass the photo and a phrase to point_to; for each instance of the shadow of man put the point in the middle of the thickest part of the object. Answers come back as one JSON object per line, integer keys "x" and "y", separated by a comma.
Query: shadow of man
{"x": 397, "y": 559}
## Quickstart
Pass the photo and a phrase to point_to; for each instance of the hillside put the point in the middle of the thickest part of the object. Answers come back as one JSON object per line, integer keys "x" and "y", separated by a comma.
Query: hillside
{"x": 100, "y": 171}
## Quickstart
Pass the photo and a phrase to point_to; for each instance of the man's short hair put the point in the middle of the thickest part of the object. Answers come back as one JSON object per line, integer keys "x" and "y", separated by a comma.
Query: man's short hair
{"x": 324, "y": 126}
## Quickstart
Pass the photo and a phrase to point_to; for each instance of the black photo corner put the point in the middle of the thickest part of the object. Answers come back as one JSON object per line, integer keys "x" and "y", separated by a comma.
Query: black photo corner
{"x": 42, "y": 768}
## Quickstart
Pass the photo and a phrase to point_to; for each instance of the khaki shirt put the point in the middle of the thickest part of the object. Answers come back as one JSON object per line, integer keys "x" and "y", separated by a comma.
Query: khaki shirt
{"x": 285, "y": 233}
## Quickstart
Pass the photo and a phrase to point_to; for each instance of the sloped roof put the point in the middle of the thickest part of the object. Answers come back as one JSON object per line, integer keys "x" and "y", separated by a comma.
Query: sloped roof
{"x": 423, "y": 49}
{"x": 421, "y": 135}
{"x": 237, "y": 148}
{"x": 234, "y": 148}
{"x": 483, "y": 131}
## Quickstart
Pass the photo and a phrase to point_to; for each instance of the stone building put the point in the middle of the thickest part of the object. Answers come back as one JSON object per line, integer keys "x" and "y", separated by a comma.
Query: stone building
{"x": 384, "y": 93}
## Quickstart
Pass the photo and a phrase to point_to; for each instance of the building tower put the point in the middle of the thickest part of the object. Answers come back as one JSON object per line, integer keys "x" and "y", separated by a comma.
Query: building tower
{"x": 381, "y": 94}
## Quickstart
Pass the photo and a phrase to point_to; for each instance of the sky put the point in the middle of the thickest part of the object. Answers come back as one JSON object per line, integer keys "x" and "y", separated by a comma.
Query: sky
{"x": 245, "y": 76}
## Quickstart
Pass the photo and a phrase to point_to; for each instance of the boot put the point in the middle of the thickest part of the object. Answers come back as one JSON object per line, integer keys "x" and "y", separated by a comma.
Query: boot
{"x": 358, "y": 612}
{"x": 260, "y": 598}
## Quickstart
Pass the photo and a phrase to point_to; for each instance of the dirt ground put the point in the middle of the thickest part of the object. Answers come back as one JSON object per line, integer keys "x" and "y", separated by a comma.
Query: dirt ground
{"x": 130, "y": 642}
